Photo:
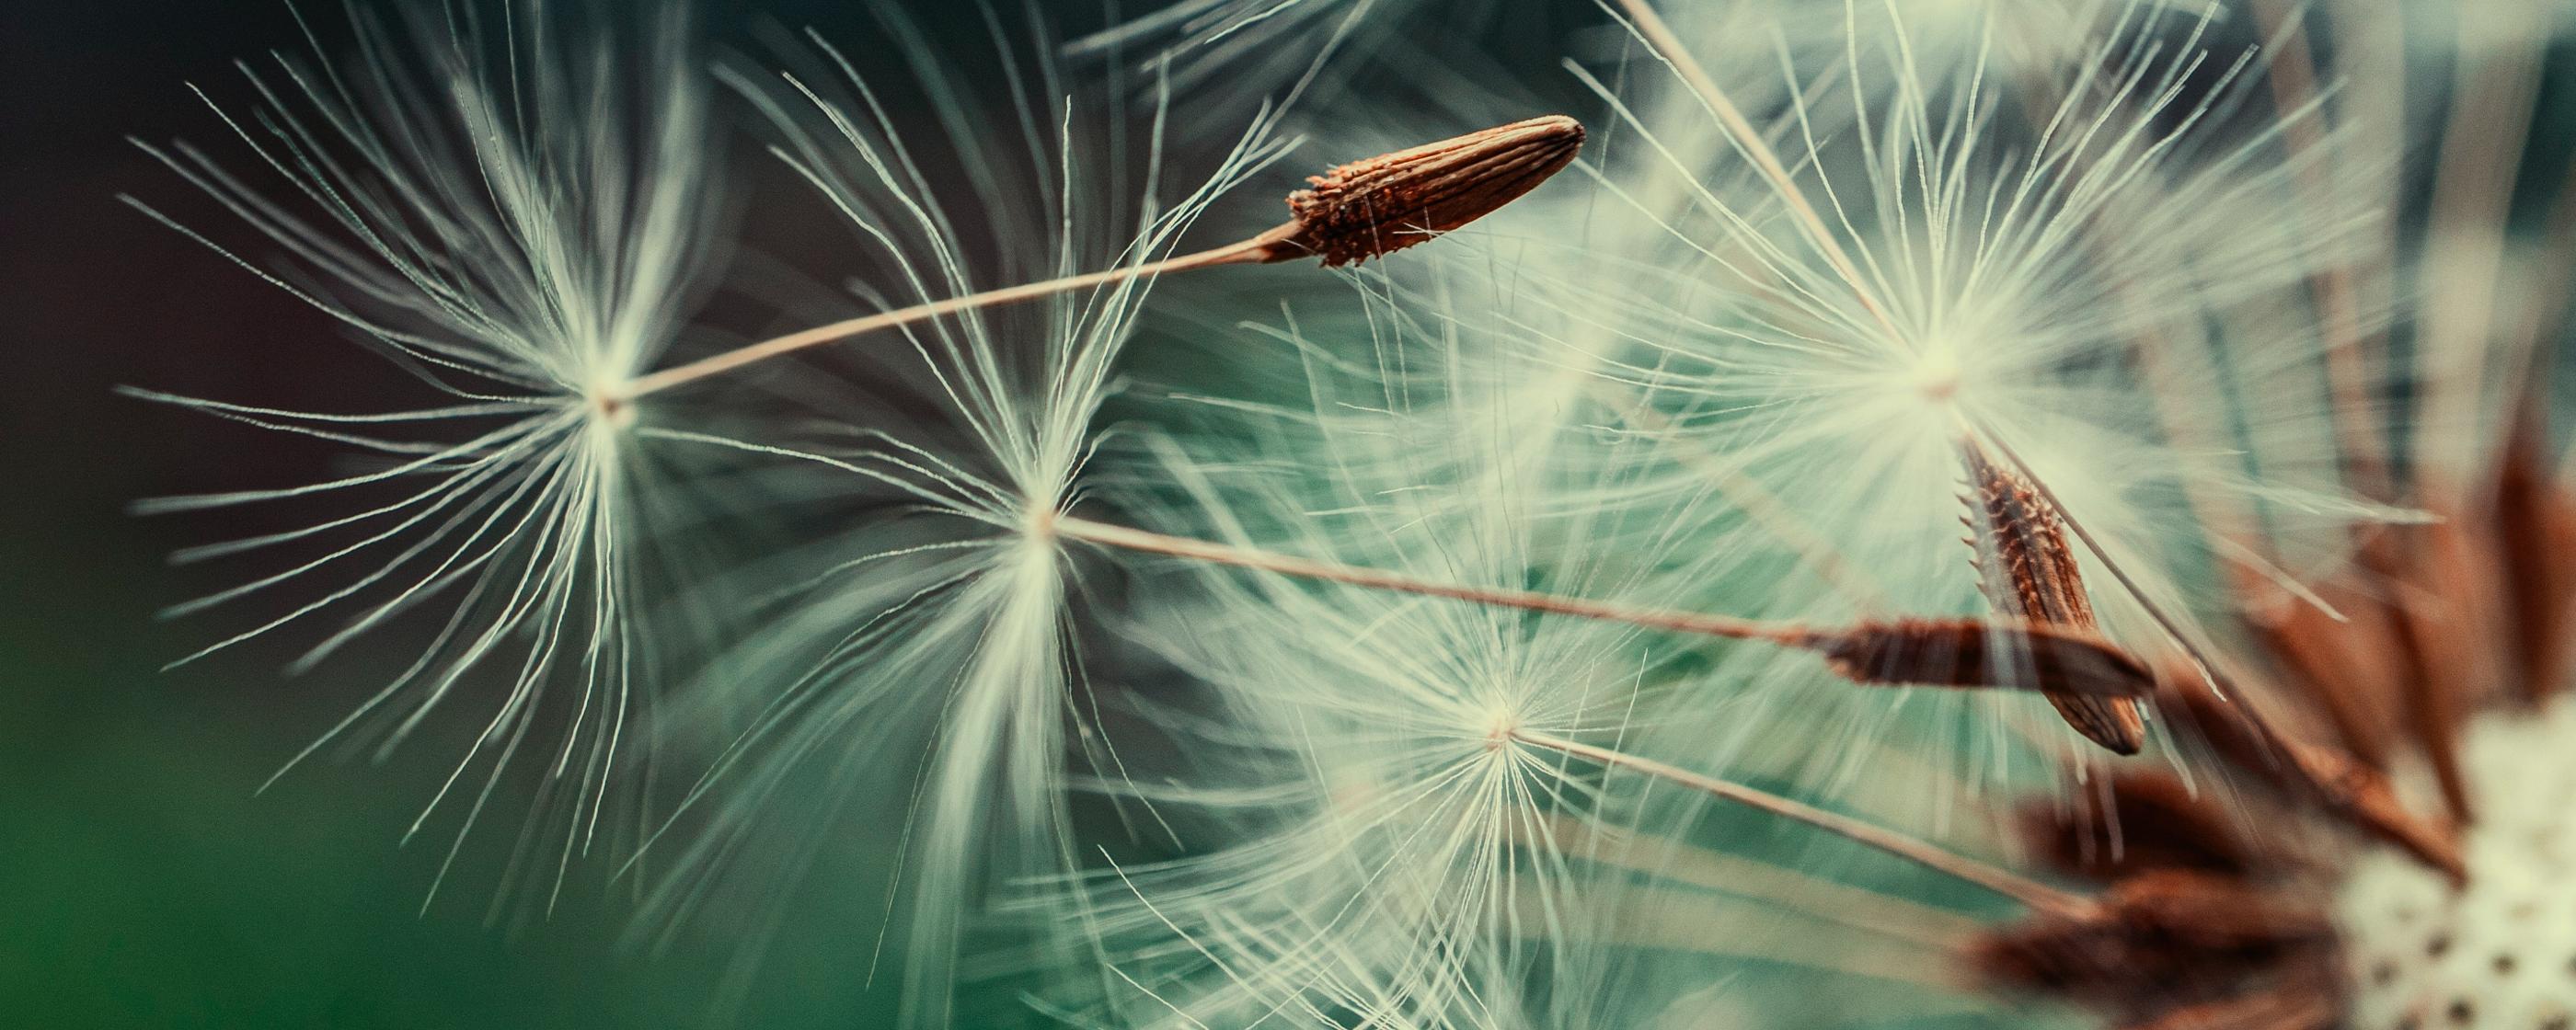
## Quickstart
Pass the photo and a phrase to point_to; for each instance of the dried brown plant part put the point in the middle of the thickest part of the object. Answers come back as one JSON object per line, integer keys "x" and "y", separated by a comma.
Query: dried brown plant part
{"x": 2305, "y": 1002}
{"x": 2476, "y": 167}
{"x": 2444, "y": 623}
{"x": 2335, "y": 782}
{"x": 2147, "y": 820}
{"x": 1384, "y": 204}
{"x": 2536, "y": 541}
{"x": 2057, "y": 661}
{"x": 1354, "y": 212}
{"x": 2350, "y": 348}
{"x": 2028, "y": 571}
{"x": 2348, "y": 667}
{"x": 2161, "y": 942}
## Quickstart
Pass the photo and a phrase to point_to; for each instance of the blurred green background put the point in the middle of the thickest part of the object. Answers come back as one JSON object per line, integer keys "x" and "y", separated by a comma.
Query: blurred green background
{"x": 142, "y": 883}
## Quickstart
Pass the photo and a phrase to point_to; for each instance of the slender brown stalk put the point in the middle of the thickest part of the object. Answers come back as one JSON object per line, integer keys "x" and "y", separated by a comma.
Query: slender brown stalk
{"x": 1351, "y": 213}
{"x": 1529, "y": 600}
{"x": 1905, "y": 652}
{"x": 2341, "y": 785}
{"x": 1821, "y": 897}
{"x": 2036, "y": 895}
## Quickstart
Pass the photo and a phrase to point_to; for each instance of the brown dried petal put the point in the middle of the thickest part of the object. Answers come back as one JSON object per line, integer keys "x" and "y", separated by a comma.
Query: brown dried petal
{"x": 2301, "y": 1003}
{"x": 2536, "y": 523}
{"x": 1386, "y": 203}
{"x": 2344, "y": 662}
{"x": 2338, "y": 784}
{"x": 2158, "y": 941}
{"x": 2154, "y": 821}
{"x": 2448, "y": 622}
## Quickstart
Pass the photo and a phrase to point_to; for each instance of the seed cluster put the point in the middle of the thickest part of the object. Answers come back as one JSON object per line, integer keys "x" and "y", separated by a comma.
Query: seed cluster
{"x": 2501, "y": 952}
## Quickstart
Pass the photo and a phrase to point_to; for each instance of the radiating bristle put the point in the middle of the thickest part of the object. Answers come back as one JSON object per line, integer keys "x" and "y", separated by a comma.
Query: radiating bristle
{"x": 1386, "y": 203}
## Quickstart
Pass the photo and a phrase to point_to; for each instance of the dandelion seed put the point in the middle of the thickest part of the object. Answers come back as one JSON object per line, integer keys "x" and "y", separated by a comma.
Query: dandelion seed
{"x": 2317, "y": 893}
{"x": 1429, "y": 818}
{"x": 965, "y": 641}
{"x": 2029, "y": 571}
{"x": 521, "y": 231}
{"x": 1384, "y": 204}
{"x": 1833, "y": 330}
{"x": 1353, "y": 212}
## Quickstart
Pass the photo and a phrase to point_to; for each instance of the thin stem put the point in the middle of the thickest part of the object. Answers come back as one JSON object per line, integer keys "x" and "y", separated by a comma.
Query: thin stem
{"x": 1247, "y": 251}
{"x": 1127, "y": 538}
{"x": 1957, "y": 653}
{"x": 1795, "y": 890}
{"x": 2036, "y": 895}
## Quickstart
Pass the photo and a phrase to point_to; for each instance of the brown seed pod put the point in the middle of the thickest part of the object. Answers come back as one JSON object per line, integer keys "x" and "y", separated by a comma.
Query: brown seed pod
{"x": 1386, "y": 203}
{"x": 2028, "y": 571}
{"x": 2055, "y": 661}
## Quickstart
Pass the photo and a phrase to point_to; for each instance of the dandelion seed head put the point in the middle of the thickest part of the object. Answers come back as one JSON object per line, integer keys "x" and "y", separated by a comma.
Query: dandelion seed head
{"x": 1407, "y": 850}
{"x": 938, "y": 673}
{"x": 1900, "y": 257}
{"x": 1936, "y": 373}
{"x": 521, "y": 229}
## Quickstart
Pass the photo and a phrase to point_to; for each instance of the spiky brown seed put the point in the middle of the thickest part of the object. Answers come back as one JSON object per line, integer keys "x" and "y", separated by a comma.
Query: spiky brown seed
{"x": 1386, "y": 203}
{"x": 2028, "y": 571}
